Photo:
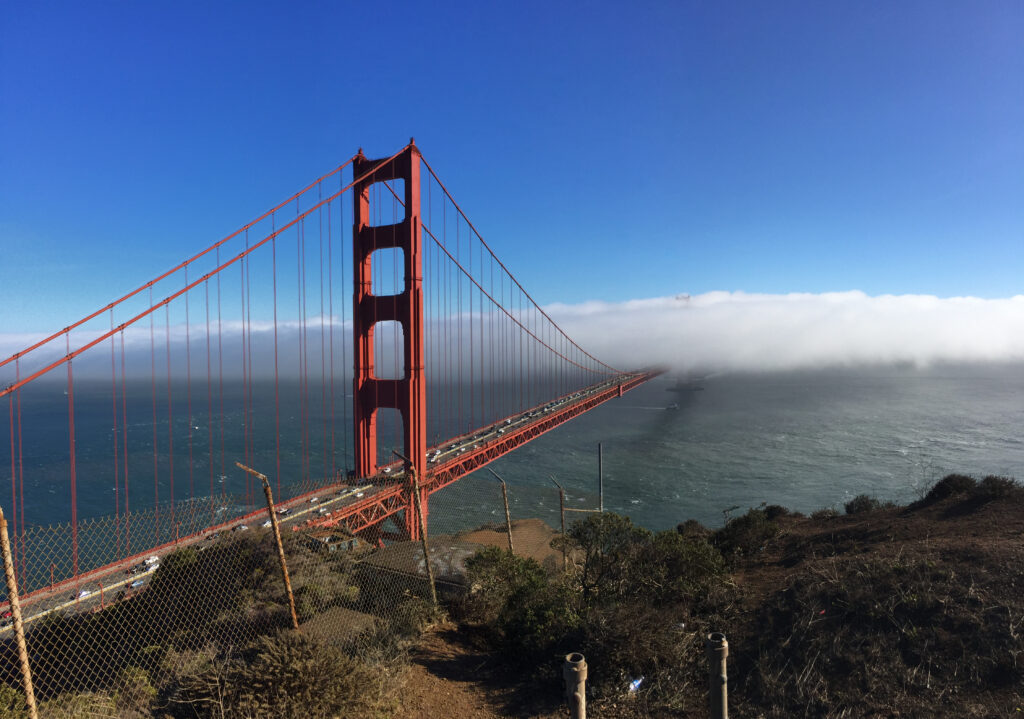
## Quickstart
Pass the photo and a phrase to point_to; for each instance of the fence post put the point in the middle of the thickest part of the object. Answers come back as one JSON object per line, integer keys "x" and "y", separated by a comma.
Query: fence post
{"x": 417, "y": 500}
{"x": 19, "y": 628}
{"x": 277, "y": 538}
{"x": 574, "y": 673}
{"x": 717, "y": 649}
{"x": 561, "y": 509}
{"x": 508, "y": 516}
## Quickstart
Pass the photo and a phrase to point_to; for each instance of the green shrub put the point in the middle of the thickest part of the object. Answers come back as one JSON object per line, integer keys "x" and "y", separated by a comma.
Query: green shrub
{"x": 493, "y": 576}
{"x": 693, "y": 528}
{"x": 12, "y": 703}
{"x": 776, "y": 511}
{"x": 948, "y": 486}
{"x": 862, "y": 503}
{"x": 824, "y": 513}
{"x": 537, "y": 620}
{"x": 287, "y": 676}
{"x": 134, "y": 693}
{"x": 672, "y": 568}
{"x": 745, "y": 535}
{"x": 993, "y": 487}
{"x": 607, "y": 544}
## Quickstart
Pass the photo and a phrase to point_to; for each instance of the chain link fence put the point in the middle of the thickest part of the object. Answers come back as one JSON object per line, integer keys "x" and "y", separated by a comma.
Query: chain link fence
{"x": 147, "y": 634}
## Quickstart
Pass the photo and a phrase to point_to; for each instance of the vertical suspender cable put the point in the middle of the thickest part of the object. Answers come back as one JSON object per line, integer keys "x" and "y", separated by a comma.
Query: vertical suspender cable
{"x": 209, "y": 398}
{"x": 245, "y": 385}
{"x": 220, "y": 381}
{"x": 170, "y": 414}
{"x": 323, "y": 349}
{"x": 152, "y": 381}
{"x": 188, "y": 391}
{"x": 344, "y": 352}
{"x": 277, "y": 394}
{"x": 124, "y": 453}
{"x": 71, "y": 447}
{"x": 330, "y": 330}
{"x": 117, "y": 458}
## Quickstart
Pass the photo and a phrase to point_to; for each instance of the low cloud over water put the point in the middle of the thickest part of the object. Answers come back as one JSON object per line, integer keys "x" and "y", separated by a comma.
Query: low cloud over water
{"x": 758, "y": 332}
{"x": 715, "y": 331}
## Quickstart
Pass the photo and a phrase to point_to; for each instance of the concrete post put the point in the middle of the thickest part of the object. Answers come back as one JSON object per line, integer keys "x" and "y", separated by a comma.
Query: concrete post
{"x": 717, "y": 649}
{"x": 574, "y": 673}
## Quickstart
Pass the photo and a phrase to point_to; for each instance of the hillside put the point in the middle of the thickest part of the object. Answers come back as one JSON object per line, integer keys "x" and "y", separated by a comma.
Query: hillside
{"x": 910, "y": 611}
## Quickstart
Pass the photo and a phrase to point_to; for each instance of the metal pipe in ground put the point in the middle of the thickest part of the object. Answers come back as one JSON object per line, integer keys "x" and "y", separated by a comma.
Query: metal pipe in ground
{"x": 574, "y": 673}
{"x": 19, "y": 627}
{"x": 277, "y": 539}
{"x": 717, "y": 649}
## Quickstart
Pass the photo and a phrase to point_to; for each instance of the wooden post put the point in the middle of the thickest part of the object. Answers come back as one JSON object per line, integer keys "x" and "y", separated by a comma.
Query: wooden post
{"x": 19, "y": 628}
{"x": 421, "y": 524}
{"x": 423, "y": 532}
{"x": 277, "y": 538}
{"x": 508, "y": 516}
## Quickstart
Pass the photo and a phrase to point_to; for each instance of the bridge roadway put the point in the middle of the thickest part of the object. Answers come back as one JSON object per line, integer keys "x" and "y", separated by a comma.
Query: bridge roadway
{"x": 455, "y": 458}
{"x": 352, "y": 505}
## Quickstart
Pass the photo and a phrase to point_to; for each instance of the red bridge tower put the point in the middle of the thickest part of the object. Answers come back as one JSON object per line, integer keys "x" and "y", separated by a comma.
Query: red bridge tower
{"x": 370, "y": 393}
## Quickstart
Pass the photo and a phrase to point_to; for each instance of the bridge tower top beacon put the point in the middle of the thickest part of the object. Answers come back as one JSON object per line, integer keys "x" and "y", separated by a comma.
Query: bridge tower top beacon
{"x": 407, "y": 394}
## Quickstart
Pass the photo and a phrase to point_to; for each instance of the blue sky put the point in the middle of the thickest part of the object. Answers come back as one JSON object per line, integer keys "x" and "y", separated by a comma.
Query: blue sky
{"x": 607, "y": 151}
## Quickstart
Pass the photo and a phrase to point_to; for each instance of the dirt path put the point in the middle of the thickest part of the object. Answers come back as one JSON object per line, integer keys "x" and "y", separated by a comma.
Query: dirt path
{"x": 451, "y": 679}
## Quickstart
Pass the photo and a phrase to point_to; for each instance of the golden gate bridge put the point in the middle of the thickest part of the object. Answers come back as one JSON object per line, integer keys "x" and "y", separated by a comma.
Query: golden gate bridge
{"x": 396, "y": 320}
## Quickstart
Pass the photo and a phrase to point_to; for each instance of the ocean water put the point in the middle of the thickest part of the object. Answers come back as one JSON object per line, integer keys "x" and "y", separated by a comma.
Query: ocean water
{"x": 805, "y": 440}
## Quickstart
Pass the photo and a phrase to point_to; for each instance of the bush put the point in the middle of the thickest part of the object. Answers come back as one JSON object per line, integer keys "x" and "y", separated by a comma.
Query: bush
{"x": 993, "y": 487}
{"x": 609, "y": 543}
{"x": 746, "y": 535}
{"x": 635, "y": 603}
{"x": 776, "y": 511}
{"x": 134, "y": 693}
{"x": 824, "y": 513}
{"x": 12, "y": 703}
{"x": 288, "y": 675}
{"x": 493, "y": 575}
{"x": 862, "y": 503}
{"x": 693, "y": 528}
{"x": 673, "y": 568}
{"x": 948, "y": 486}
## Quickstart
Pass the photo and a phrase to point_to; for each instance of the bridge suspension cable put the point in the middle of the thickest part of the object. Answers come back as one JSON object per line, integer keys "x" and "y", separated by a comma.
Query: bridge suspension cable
{"x": 264, "y": 311}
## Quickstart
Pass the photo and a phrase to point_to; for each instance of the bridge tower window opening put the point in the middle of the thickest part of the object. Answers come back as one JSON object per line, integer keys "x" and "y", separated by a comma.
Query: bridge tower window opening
{"x": 386, "y": 203}
{"x": 388, "y": 341}
{"x": 388, "y": 271}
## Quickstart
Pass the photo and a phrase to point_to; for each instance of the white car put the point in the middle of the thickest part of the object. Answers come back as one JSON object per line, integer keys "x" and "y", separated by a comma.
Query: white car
{"x": 152, "y": 560}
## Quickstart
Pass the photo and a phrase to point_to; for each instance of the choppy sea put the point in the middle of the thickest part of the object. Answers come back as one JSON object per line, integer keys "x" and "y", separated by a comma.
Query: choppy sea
{"x": 672, "y": 450}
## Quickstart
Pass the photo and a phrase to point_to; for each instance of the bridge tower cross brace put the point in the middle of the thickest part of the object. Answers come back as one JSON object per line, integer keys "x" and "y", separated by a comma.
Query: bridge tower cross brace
{"x": 370, "y": 393}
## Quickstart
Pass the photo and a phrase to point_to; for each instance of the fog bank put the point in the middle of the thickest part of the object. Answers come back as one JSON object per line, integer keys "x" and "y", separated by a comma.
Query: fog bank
{"x": 736, "y": 331}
